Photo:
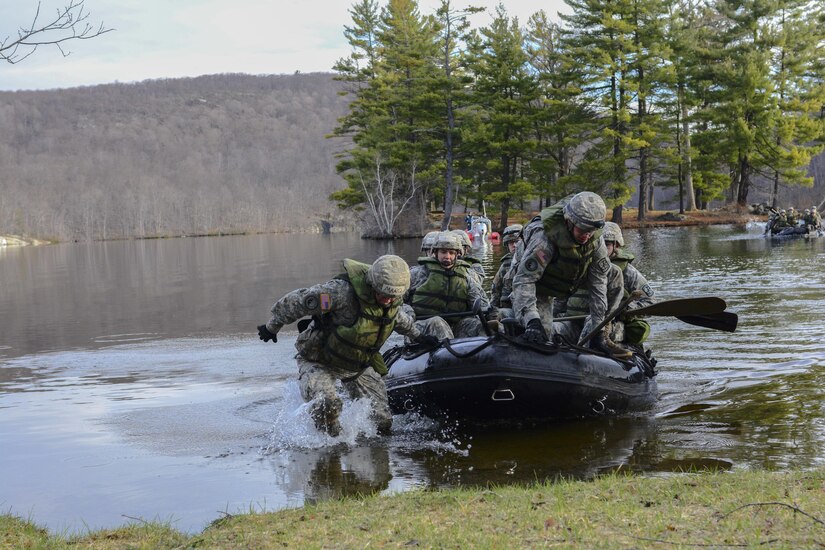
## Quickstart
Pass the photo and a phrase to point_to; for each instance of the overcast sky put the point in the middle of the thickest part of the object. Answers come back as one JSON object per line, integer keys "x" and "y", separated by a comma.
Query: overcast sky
{"x": 178, "y": 38}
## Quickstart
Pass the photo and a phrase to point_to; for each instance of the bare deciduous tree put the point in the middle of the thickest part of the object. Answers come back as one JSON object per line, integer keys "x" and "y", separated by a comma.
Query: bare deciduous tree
{"x": 388, "y": 194}
{"x": 71, "y": 22}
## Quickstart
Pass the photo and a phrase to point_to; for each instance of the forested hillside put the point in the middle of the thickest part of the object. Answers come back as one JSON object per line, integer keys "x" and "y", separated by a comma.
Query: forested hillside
{"x": 221, "y": 153}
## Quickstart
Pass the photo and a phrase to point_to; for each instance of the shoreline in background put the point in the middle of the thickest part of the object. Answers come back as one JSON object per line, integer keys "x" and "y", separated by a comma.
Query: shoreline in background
{"x": 655, "y": 218}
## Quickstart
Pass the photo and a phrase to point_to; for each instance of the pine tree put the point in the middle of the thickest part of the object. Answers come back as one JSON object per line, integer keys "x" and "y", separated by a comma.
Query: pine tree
{"x": 452, "y": 27}
{"x": 393, "y": 119}
{"x": 599, "y": 35}
{"x": 500, "y": 132}
{"x": 561, "y": 123}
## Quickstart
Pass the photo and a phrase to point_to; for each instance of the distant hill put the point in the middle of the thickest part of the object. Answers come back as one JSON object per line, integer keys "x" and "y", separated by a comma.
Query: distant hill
{"x": 221, "y": 153}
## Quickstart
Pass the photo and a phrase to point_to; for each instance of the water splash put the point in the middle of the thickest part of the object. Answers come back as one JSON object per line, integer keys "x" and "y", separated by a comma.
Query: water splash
{"x": 416, "y": 432}
{"x": 294, "y": 428}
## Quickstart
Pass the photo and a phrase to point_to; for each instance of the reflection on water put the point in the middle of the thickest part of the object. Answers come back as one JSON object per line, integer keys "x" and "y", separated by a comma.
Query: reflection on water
{"x": 132, "y": 382}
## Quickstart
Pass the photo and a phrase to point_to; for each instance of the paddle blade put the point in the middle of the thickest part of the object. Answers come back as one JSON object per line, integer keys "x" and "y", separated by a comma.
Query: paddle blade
{"x": 683, "y": 306}
{"x": 724, "y": 320}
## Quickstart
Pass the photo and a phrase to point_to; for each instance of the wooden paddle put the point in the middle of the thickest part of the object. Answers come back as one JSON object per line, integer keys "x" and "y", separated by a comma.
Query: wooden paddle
{"x": 703, "y": 311}
{"x": 724, "y": 320}
{"x": 635, "y": 295}
{"x": 708, "y": 312}
{"x": 706, "y": 305}
{"x": 671, "y": 308}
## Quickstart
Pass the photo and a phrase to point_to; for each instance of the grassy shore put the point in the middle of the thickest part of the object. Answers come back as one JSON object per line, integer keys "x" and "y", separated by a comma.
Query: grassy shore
{"x": 741, "y": 509}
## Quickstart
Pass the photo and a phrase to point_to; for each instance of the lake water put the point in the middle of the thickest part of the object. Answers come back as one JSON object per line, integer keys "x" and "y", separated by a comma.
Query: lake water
{"x": 133, "y": 385}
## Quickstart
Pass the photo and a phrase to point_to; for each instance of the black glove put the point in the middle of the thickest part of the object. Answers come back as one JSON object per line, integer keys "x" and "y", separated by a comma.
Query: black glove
{"x": 265, "y": 335}
{"x": 427, "y": 340}
{"x": 535, "y": 332}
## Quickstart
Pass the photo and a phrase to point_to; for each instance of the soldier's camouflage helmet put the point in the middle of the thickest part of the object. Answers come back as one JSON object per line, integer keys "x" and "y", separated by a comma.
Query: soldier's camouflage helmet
{"x": 511, "y": 233}
{"x": 790, "y": 209}
{"x": 813, "y": 209}
{"x": 782, "y": 211}
{"x": 612, "y": 232}
{"x": 428, "y": 240}
{"x": 447, "y": 240}
{"x": 463, "y": 237}
{"x": 807, "y": 211}
{"x": 586, "y": 210}
{"x": 389, "y": 275}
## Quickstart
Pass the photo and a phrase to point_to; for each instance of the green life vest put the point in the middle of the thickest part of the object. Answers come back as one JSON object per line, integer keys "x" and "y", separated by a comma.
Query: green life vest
{"x": 622, "y": 259}
{"x": 567, "y": 269}
{"x": 444, "y": 291}
{"x": 579, "y": 303}
{"x": 358, "y": 346}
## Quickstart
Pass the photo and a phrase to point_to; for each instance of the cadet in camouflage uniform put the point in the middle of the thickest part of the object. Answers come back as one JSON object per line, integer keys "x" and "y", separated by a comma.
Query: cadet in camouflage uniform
{"x": 442, "y": 284}
{"x": 500, "y": 291}
{"x": 476, "y": 269}
{"x": 352, "y": 317}
{"x": 791, "y": 216}
{"x": 631, "y": 330}
{"x": 564, "y": 251}
{"x": 780, "y": 223}
{"x": 814, "y": 220}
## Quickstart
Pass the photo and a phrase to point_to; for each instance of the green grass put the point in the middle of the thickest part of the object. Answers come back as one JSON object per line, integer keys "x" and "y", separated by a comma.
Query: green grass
{"x": 747, "y": 509}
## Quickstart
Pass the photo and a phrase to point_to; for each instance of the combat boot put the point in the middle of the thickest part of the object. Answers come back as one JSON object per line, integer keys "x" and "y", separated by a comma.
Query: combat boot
{"x": 325, "y": 413}
{"x": 603, "y": 343}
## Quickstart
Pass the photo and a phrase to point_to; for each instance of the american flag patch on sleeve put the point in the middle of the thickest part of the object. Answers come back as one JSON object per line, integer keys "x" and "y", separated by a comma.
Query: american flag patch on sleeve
{"x": 326, "y": 303}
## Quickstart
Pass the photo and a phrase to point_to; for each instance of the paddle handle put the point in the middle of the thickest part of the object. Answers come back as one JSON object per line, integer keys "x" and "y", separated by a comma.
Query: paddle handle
{"x": 635, "y": 295}
{"x": 445, "y": 315}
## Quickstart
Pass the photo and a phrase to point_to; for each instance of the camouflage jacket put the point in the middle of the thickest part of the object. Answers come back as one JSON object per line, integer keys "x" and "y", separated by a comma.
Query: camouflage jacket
{"x": 538, "y": 252}
{"x": 634, "y": 280}
{"x": 336, "y": 298}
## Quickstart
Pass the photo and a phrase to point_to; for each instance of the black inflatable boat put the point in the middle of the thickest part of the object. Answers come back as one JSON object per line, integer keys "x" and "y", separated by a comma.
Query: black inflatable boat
{"x": 503, "y": 378}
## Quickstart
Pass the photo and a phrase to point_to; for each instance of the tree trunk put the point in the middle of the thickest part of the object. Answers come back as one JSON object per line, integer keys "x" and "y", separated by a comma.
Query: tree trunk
{"x": 448, "y": 199}
{"x": 506, "y": 178}
{"x": 617, "y": 214}
{"x": 686, "y": 160}
{"x": 642, "y": 214}
{"x": 744, "y": 181}
{"x": 775, "y": 189}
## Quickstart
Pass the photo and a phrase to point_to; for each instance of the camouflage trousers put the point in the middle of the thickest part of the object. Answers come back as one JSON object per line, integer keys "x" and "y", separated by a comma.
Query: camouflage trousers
{"x": 441, "y": 329}
{"x": 317, "y": 383}
{"x": 573, "y": 330}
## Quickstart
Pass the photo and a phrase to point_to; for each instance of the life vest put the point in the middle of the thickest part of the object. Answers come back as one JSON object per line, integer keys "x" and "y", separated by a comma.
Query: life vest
{"x": 579, "y": 302}
{"x": 444, "y": 291}
{"x": 623, "y": 259}
{"x": 567, "y": 269}
{"x": 357, "y": 346}
{"x": 468, "y": 261}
